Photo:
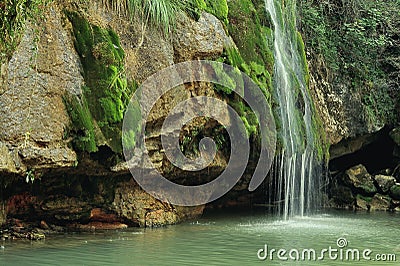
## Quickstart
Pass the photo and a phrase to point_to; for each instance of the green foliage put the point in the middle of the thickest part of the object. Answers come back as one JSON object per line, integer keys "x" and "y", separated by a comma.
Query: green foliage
{"x": 159, "y": 14}
{"x": 320, "y": 34}
{"x": 359, "y": 42}
{"x": 13, "y": 14}
{"x": 378, "y": 103}
{"x": 108, "y": 90}
{"x": 30, "y": 175}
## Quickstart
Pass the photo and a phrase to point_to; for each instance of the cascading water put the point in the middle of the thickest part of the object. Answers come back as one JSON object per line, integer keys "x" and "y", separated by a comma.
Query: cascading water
{"x": 295, "y": 184}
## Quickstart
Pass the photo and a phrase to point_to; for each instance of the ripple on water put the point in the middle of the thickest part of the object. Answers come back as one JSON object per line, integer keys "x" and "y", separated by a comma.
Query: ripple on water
{"x": 226, "y": 240}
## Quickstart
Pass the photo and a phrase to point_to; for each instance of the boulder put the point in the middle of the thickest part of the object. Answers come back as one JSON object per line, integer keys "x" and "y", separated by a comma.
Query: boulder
{"x": 204, "y": 38}
{"x": 385, "y": 182}
{"x": 395, "y": 191}
{"x": 359, "y": 178}
{"x": 376, "y": 203}
{"x": 380, "y": 202}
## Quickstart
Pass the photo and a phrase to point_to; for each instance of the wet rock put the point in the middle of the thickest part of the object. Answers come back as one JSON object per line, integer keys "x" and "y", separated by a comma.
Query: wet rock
{"x": 360, "y": 179}
{"x": 395, "y": 191}
{"x": 351, "y": 145}
{"x": 135, "y": 205}
{"x": 385, "y": 182}
{"x": 36, "y": 234}
{"x": 16, "y": 229}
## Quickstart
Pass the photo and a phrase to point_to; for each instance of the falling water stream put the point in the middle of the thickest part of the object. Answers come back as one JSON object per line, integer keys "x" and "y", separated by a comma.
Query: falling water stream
{"x": 295, "y": 185}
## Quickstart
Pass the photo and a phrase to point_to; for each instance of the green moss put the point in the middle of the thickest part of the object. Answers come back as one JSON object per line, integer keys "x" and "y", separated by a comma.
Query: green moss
{"x": 83, "y": 128}
{"x": 367, "y": 199}
{"x": 133, "y": 111}
{"x": 225, "y": 78}
{"x": 302, "y": 52}
{"x": 262, "y": 78}
{"x": 318, "y": 131}
{"x": 218, "y": 8}
{"x": 249, "y": 34}
{"x": 108, "y": 90}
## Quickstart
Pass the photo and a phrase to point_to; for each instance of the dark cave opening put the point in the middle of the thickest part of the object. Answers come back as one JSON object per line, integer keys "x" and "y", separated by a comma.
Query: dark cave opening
{"x": 375, "y": 156}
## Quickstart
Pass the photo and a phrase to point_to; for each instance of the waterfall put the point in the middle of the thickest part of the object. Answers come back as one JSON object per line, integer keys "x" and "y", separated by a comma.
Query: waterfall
{"x": 295, "y": 183}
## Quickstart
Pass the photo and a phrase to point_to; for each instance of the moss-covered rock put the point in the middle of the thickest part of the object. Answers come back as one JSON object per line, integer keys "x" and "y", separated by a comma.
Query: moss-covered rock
{"x": 107, "y": 90}
{"x": 249, "y": 34}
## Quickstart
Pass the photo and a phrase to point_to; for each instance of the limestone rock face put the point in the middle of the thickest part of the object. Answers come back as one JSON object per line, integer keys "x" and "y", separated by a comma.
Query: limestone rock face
{"x": 33, "y": 118}
{"x": 7, "y": 164}
{"x": 35, "y": 122}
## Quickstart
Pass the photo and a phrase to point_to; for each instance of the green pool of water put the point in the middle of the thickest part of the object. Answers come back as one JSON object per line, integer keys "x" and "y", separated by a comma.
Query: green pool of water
{"x": 224, "y": 239}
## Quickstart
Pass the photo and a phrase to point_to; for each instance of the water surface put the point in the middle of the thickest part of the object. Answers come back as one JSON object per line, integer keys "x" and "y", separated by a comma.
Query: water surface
{"x": 217, "y": 239}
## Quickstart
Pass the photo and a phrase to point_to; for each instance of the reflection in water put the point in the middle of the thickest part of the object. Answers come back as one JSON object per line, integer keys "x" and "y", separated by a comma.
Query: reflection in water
{"x": 217, "y": 240}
